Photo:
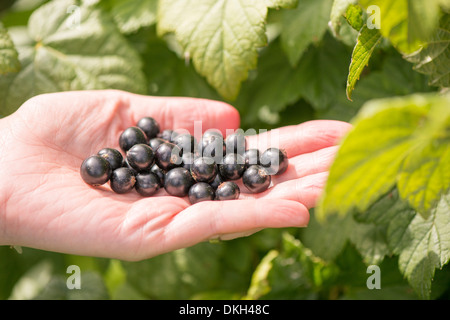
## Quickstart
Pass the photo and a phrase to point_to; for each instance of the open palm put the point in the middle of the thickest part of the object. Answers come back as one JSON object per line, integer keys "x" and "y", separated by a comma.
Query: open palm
{"x": 46, "y": 205}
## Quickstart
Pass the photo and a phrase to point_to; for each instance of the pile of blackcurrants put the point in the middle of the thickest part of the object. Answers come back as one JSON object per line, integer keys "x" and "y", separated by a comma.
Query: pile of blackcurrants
{"x": 206, "y": 170}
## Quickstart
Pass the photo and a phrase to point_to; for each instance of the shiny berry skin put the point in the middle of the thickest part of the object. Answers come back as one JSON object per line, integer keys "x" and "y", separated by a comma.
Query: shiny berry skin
{"x": 212, "y": 145}
{"x": 168, "y": 156}
{"x": 227, "y": 190}
{"x": 160, "y": 173}
{"x": 95, "y": 170}
{"x": 131, "y": 136}
{"x": 113, "y": 156}
{"x": 147, "y": 184}
{"x": 251, "y": 157}
{"x": 232, "y": 166}
{"x": 201, "y": 191}
{"x": 150, "y": 126}
{"x": 155, "y": 142}
{"x": 204, "y": 169}
{"x": 141, "y": 157}
{"x": 275, "y": 161}
{"x": 217, "y": 181}
{"x": 187, "y": 159}
{"x": 186, "y": 142}
{"x": 168, "y": 135}
{"x": 256, "y": 179}
{"x": 236, "y": 142}
{"x": 178, "y": 181}
{"x": 122, "y": 180}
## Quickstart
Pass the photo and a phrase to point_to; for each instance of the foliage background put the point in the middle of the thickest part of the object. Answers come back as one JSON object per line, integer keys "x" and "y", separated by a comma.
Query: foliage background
{"x": 292, "y": 61}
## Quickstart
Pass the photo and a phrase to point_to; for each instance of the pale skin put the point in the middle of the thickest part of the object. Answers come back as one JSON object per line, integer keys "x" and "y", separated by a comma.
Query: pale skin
{"x": 45, "y": 204}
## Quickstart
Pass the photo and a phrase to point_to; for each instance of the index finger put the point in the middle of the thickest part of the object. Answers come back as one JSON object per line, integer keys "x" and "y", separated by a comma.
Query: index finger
{"x": 303, "y": 138}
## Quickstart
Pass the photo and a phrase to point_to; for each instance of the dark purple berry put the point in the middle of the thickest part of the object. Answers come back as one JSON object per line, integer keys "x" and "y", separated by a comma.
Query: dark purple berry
{"x": 228, "y": 190}
{"x": 187, "y": 160}
{"x": 122, "y": 180}
{"x": 236, "y": 142}
{"x": 168, "y": 135}
{"x": 147, "y": 183}
{"x": 150, "y": 126}
{"x": 113, "y": 156}
{"x": 160, "y": 173}
{"x": 204, "y": 169}
{"x": 212, "y": 145}
{"x": 95, "y": 170}
{"x": 217, "y": 181}
{"x": 155, "y": 142}
{"x": 274, "y": 160}
{"x": 130, "y": 137}
{"x": 232, "y": 166}
{"x": 141, "y": 157}
{"x": 201, "y": 191}
{"x": 186, "y": 142}
{"x": 168, "y": 156}
{"x": 256, "y": 179}
{"x": 251, "y": 157}
{"x": 178, "y": 181}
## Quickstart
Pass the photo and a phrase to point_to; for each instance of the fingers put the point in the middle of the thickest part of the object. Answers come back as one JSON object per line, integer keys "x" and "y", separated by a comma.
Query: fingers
{"x": 306, "y": 190}
{"x": 303, "y": 138}
{"x": 183, "y": 113}
{"x": 211, "y": 220}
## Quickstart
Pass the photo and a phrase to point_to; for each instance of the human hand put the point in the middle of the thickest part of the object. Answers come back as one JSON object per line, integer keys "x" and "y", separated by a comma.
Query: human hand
{"x": 45, "y": 204}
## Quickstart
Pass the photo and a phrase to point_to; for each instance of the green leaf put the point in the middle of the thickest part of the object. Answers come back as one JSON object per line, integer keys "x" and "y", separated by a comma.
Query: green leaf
{"x": 337, "y": 11}
{"x": 130, "y": 16}
{"x": 425, "y": 173}
{"x": 407, "y": 24}
{"x": 368, "y": 39}
{"x": 259, "y": 285}
{"x": 9, "y": 58}
{"x": 221, "y": 37}
{"x": 372, "y": 155}
{"x": 433, "y": 59}
{"x": 423, "y": 246}
{"x": 304, "y": 25}
{"x": 276, "y": 84}
{"x": 294, "y": 272}
{"x": 354, "y": 17}
{"x": 70, "y": 50}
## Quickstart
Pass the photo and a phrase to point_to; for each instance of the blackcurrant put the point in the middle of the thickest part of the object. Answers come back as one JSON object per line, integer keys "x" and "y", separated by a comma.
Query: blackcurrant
{"x": 251, "y": 157}
{"x": 217, "y": 181}
{"x": 256, "y": 178}
{"x": 155, "y": 142}
{"x": 186, "y": 142}
{"x": 275, "y": 161}
{"x": 147, "y": 183}
{"x": 232, "y": 166}
{"x": 150, "y": 126}
{"x": 187, "y": 160}
{"x": 168, "y": 135}
{"x": 95, "y": 170}
{"x": 178, "y": 181}
{"x": 122, "y": 180}
{"x": 168, "y": 156}
{"x": 141, "y": 157}
{"x": 201, "y": 191}
{"x": 236, "y": 142}
{"x": 160, "y": 173}
{"x": 227, "y": 190}
{"x": 113, "y": 156}
{"x": 212, "y": 145}
{"x": 204, "y": 169}
{"x": 130, "y": 137}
